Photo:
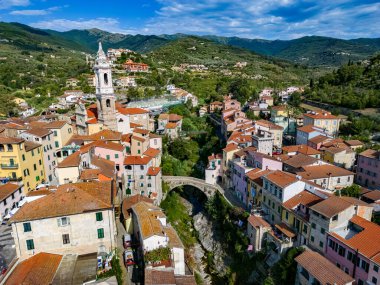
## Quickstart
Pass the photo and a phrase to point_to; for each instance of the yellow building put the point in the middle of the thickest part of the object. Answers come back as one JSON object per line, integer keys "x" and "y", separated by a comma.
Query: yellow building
{"x": 62, "y": 132}
{"x": 255, "y": 185}
{"x": 295, "y": 214}
{"x": 21, "y": 161}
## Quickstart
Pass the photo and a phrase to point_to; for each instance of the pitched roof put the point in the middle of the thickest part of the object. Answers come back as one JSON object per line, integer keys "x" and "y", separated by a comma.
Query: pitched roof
{"x": 147, "y": 219}
{"x": 141, "y": 131}
{"x": 300, "y": 160}
{"x": 354, "y": 143}
{"x": 321, "y": 115}
{"x": 132, "y": 200}
{"x": 371, "y": 153}
{"x": 72, "y": 160}
{"x": 10, "y": 140}
{"x": 230, "y": 147}
{"x": 38, "y": 269}
{"x": 170, "y": 117}
{"x": 7, "y": 190}
{"x": 257, "y": 174}
{"x": 171, "y": 125}
{"x": 322, "y": 269}
{"x": 305, "y": 198}
{"x": 137, "y": 160}
{"x": 331, "y": 206}
{"x": 302, "y": 148}
{"x": 159, "y": 277}
{"x": 38, "y": 132}
{"x": 319, "y": 139}
{"x": 107, "y": 167}
{"x": 132, "y": 111}
{"x": 308, "y": 129}
{"x": 153, "y": 171}
{"x": 69, "y": 199}
{"x": 257, "y": 221}
{"x": 55, "y": 124}
{"x": 269, "y": 125}
{"x": 372, "y": 195}
{"x": 104, "y": 135}
{"x": 109, "y": 145}
{"x": 31, "y": 145}
{"x": 281, "y": 178}
{"x": 366, "y": 240}
{"x": 323, "y": 171}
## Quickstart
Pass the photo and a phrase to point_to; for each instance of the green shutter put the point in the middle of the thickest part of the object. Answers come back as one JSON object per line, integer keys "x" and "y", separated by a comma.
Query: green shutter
{"x": 128, "y": 191}
{"x": 108, "y": 157}
{"x": 101, "y": 233}
{"x": 56, "y": 144}
{"x": 29, "y": 244}
{"x": 27, "y": 227}
{"x": 99, "y": 216}
{"x": 116, "y": 155}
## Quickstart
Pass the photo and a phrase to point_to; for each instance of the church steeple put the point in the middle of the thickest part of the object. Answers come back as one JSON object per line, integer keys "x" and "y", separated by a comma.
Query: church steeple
{"x": 105, "y": 96}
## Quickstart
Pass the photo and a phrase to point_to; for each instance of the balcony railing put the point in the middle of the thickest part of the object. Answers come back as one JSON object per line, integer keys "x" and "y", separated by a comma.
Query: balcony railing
{"x": 9, "y": 165}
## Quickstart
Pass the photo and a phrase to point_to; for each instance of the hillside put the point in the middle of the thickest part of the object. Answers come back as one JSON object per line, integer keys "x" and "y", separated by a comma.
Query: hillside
{"x": 313, "y": 51}
{"x": 90, "y": 38}
{"x": 354, "y": 85}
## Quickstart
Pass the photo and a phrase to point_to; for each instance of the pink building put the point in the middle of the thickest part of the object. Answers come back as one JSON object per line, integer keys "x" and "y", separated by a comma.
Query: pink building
{"x": 356, "y": 250}
{"x": 368, "y": 169}
{"x": 111, "y": 151}
{"x": 263, "y": 161}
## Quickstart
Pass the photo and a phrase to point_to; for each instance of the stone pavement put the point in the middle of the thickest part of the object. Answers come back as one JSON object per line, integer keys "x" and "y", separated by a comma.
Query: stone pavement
{"x": 7, "y": 246}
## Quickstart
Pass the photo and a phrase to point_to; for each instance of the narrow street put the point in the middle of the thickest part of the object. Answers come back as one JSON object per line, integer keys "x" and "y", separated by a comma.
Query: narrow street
{"x": 127, "y": 276}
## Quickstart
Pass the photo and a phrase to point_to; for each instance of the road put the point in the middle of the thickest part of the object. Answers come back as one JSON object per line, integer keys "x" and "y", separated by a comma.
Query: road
{"x": 7, "y": 246}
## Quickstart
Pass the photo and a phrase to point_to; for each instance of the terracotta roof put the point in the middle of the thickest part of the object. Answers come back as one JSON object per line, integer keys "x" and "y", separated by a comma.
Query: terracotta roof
{"x": 137, "y": 160}
{"x": 39, "y": 192}
{"x": 300, "y": 160}
{"x": 372, "y": 195}
{"x": 55, "y": 124}
{"x": 147, "y": 219}
{"x": 132, "y": 200}
{"x": 285, "y": 230}
{"x": 371, "y": 153}
{"x": 354, "y": 143}
{"x": 331, "y": 206}
{"x": 319, "y": 139}
{"x": 305, "y": 198}
{"x": 132, "y": 111}
{"x": 171, "y": 126}
{"x": 153, "y": 171}
{"x": 141, "y": 131}
{"x": 72, "y": 160}
{"x": 174, "y": 240}
{"x": 126, "y": 138}
{"x": 39, "y": 132}
{"x": 138, "y": 138}
{"x": 335, "y": 150}
{"x": 323, "y": 171}
{"x": 109, "y": 145}
{"x": 155, "y": 136}
{"x": 10, "y": 140}
{"x": 257, "y": 174}
{"x": 31, "y": 145}
{"x": 170, "y": 117}
{"x": 215, "y": 156}
{"x": 107, "y": 167}
{"x": 257, "y": 221}
{"x": 279, "y": 108}
{"x": 269, "y": 125}
{"x": 69, "y": 199}
{"x": 322, "y": 269}
{"x": 8, "y": 189}
{"x": 321, "y": 115}
{"x": 134, "y": 125}
{"x": 159, "y": 277}
{"x": 302, "y": 148}
{"x": 367, "y": 241}
{"x": 152, "y": 152}
{"x": 38, "y": 269}
{"x": 89, "y": 174}
{"x": 185, "y": 280}
{"x": 231, "y": 147}
{"x": 281, "y": 178}
{"x": 308, "y": 129}
{"x": 92, "y": 121}
{"x": 104, "y": 135}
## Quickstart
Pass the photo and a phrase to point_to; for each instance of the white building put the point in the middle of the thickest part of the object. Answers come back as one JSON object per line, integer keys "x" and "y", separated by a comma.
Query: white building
{"x": 214, "y": 171}
{"x": 10, "y": 196}
{"x": 76, "y": 219}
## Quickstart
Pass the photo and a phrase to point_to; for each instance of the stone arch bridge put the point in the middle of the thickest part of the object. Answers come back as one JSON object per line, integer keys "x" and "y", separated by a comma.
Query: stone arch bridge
{"x": 208, "y": 189}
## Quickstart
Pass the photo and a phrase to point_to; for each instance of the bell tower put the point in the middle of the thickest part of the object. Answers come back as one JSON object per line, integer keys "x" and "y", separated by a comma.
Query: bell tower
{"x": 105, "y": 97}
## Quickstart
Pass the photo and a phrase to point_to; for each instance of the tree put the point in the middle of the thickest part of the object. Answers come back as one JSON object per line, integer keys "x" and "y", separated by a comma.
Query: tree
{"x": 269, "y": 281}
{"x": 350, "y": 191}
{"x": 284, "y": 271}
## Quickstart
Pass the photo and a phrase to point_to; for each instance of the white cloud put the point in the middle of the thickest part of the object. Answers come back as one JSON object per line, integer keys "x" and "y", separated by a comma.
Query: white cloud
{"x": 36, "y": 12}
{"x": 5, "y": 4}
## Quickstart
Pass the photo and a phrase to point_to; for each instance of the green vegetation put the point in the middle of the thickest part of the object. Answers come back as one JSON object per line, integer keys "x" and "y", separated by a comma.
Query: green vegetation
{"x": 350, "y": 191}
{"x": 284, "y": 271}
{"x": 114, "y": 271}
{"x": 360, "y": 128}
{"x": 355, "y": 86}
{"x": 178, "y": 216}
{"x": 158, "y": 254}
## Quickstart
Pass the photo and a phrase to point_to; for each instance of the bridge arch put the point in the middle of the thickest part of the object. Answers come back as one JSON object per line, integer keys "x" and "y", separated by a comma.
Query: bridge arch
{"x": 208, "y": 189}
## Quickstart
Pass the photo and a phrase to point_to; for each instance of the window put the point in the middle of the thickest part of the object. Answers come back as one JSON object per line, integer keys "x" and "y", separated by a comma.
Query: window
{"x": 34, "y": 167}
{"x": 312, "y": 239}
{"x": 313, "y": 225}
{"x": 101, "y": 233}
{"x": 62, "y": 222}
{"x": 286, "y": 215}
{"x": 116, "y": 155}
{"x": 350, "y": 256}
{"x": 341, "y": 251}
{"x": 56, "y": 144}
{"x": 99, "y": 216}
{"x": 29, "y": 244}
{"x": 37, "y": 178}
{"x": 374, "y": 280}
{"x": 142, "y": 167}
{"x": 335, "y": 218}
{"x": 40, "y": 162}
{"x": 149, "y": 185}
{"x": 66, "y": 238}
{"x": 55, "y": 133}
{"x": 323, "y": 231}
{"x": 108, "y": 157}
{"x": 375, "y": 268}
{"x": 321, "y": 244}
{"x": 23, "y": 157}
{"x": 365, "y": 266}
{"x": 27, "y": 227}
{"x": 305, "y": 229}
{"x": 138, "y": 151}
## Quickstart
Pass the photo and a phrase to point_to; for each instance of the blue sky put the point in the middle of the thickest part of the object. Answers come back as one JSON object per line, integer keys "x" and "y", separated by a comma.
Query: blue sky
{"x": 268, "y": 19}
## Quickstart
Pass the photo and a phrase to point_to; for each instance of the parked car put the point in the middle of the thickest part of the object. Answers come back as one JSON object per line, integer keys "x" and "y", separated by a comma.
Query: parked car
{"x": 127, "y": 241}
{"x": 128, "y": 257}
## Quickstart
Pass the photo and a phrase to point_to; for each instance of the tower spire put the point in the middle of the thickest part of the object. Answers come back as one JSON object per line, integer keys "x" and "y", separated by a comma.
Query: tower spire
{"x": 100, "y": 51}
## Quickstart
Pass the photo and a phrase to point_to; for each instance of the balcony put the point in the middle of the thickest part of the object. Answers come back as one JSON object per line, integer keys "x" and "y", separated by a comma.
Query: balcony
{"x": 9, "y": 165}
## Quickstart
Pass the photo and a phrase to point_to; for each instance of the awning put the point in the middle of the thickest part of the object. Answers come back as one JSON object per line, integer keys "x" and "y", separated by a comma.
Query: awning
{"x": 285, "y": 230}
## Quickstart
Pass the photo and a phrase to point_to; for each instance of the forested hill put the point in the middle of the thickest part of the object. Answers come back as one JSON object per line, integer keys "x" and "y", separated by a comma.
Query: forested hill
{"x": 354, "y": 85}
